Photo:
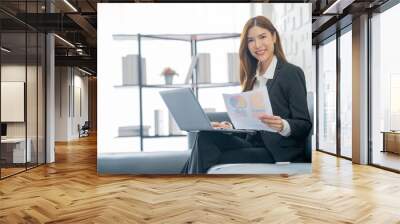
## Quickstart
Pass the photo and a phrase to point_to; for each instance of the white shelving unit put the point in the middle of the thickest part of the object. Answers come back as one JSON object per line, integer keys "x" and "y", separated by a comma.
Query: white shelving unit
{"x": 191, "y": 39}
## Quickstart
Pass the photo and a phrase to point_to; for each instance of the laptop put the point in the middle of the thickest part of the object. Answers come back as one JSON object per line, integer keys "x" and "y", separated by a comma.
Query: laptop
{"x": 187, "y": 112}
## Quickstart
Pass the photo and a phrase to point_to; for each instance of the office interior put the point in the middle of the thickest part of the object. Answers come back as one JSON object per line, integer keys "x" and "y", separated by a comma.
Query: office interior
{"x": 215, "y": 45}
{"x": 48, "y": 77}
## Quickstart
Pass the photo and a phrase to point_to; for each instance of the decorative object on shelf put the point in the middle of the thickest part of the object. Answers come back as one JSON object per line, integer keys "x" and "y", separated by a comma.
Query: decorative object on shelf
{"x": 210, "y": 110}
{"x": 233, "y": 67}
{"x": 173, "y": 128}
{"x": 158, "y": 122}
{"x": 193, "y": 65}
{"x": 132, "y": 131}
{"x": 130, "y": 70}
{"x": 168, "y": 74}
{"x": 203, "y": 68}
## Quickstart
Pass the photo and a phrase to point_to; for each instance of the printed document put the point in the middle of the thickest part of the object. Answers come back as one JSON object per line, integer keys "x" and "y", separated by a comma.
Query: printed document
{"x": 244, "y": 109}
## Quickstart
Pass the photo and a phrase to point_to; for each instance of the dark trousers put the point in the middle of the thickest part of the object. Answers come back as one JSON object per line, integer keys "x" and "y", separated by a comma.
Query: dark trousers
{"x": 212, "y": 148}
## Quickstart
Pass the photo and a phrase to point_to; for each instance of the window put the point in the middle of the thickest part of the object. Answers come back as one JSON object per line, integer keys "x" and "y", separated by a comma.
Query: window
{"x": 385, "y": 89}
{"x": 346, "y": 94}
{"x": 327, "y": 97}
{"x": 22, "y": 65}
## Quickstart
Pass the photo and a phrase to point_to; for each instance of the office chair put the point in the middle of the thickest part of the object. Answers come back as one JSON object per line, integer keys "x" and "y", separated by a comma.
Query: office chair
{"x": 84, "y": 130}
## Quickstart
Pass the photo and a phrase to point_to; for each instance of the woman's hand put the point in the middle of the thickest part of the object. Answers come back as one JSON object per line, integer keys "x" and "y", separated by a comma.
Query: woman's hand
{"x": 221, "y": 125}
{"x": 274, "y": 122}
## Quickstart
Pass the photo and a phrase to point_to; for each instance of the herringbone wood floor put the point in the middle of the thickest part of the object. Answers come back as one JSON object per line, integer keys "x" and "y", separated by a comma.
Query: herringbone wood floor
{"x": 70, "y": 191}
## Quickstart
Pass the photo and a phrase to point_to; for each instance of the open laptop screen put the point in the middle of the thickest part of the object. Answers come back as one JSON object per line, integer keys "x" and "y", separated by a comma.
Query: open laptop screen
{"x": 185, "y": 109}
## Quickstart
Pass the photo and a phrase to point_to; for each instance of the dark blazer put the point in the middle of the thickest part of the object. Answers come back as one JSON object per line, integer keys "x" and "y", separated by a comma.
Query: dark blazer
{"x": 288, "y": 96}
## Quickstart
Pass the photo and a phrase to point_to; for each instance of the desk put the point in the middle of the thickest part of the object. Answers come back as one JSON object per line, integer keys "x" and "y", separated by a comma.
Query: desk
{"x": 15, "y": 148}
{"x": 391, "y": 141}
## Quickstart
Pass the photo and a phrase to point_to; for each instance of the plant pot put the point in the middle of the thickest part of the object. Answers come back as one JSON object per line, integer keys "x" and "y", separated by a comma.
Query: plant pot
{"x": 168, "y": 79}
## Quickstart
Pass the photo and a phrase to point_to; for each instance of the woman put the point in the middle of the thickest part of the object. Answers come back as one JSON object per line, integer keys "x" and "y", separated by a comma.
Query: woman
{"x": 262, "y": 65}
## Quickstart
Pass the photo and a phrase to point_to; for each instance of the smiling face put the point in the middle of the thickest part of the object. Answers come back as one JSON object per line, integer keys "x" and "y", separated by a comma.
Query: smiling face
{"x": 261, "y": 42}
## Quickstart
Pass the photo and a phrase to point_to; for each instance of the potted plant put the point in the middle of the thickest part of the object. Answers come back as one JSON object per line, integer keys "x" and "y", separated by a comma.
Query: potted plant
{"x": 168, "y": 74}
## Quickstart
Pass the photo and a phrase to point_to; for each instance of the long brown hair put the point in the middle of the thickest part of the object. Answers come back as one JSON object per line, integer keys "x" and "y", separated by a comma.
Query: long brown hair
{"x": 248, "y": 63}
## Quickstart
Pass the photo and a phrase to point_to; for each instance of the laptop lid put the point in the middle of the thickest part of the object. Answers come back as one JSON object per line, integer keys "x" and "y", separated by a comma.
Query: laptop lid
{"x": 186, "y": 110}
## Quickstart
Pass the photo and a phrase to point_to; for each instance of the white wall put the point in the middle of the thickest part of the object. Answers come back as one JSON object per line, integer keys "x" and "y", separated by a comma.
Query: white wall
{"x": 293, "y": 22}
{"x": 70, "y": 84}
{"x": 61, "y": 103}
{"x": 79, "y": 117}
{"x": 16, "y": 73}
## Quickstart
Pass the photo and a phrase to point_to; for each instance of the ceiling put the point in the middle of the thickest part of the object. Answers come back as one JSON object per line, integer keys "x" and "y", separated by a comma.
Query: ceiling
{"x": 76, "y": 23}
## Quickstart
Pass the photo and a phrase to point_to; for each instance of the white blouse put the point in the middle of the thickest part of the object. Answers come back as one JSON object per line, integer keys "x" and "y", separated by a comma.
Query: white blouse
{"x": 261, "y": 82}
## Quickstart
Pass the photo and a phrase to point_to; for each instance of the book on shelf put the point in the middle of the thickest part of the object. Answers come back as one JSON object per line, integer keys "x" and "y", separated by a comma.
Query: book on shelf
{"x": 189, "y": 74}
{"x": 203, "y": 68}
{"x": 158, "y": 122}
{"x": 233, "y": 67}
{"x": 130, "y": 70}
{"x": 133, "y": 130}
